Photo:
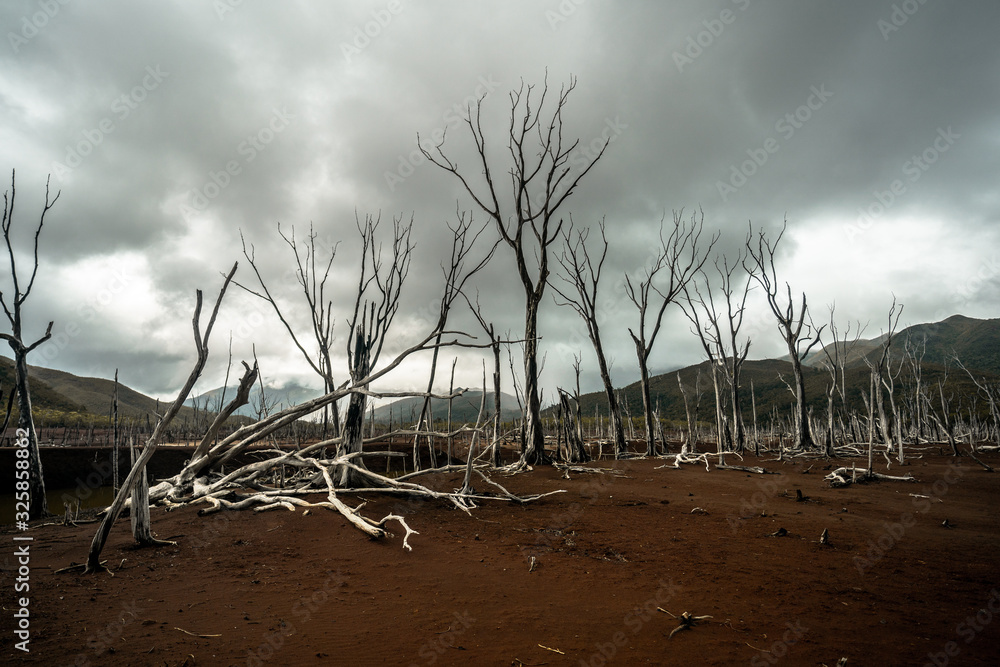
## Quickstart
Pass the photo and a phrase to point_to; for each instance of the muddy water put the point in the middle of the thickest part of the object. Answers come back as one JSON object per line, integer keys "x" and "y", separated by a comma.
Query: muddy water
{"x": 89, "y": 498}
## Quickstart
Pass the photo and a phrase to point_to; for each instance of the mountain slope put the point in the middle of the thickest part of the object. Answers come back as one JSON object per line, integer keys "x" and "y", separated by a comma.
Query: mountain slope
{"x": 769, "y": 391}
{"x": 64, "y": 392}
{"x": 43, "y": 395}
{"x": 276, "y": 398}
{"x": 975, "y": 342}
{"x": 464, "y": 409}
{"x": 95, "y": 394}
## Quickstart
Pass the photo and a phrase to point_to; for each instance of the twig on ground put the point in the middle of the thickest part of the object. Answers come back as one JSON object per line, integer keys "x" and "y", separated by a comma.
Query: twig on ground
{"x": 687, "y": 621}
{"x": 195, "y": 634}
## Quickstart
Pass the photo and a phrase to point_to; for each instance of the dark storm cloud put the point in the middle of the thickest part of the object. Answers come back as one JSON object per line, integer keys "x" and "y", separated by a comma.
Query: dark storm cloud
{"x": 171, "y": 128}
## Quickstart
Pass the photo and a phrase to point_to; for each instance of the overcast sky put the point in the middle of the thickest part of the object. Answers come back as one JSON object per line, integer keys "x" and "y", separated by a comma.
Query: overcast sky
{"x": 872, "y": 126}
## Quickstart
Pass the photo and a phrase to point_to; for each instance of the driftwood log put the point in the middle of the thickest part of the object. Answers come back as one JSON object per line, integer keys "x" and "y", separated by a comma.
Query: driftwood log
{"x": 846, "y": 476}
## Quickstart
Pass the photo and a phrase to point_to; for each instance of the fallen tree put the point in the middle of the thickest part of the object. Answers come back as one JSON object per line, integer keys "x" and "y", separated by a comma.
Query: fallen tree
{"x": 259, "y": 485}
{"x": 846, "y": 476}
{"x": 137, "y": 476}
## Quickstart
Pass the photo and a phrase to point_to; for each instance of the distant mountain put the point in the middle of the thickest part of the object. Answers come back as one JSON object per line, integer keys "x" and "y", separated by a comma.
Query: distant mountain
{"x": 464, "y": 409}
{"x": 975, "y": 342}
{"x": 764, "y": 376}
{"x": 767, "y": 380}
{"x": 64, "y": 392}
{"x": 95, "y": 394}
{"x": 276, "y": 398}
{"x": 43, "y": 395}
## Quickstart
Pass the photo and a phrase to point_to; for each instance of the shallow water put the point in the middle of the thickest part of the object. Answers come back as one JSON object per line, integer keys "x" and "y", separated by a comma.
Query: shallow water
{"x": 89, "y": 498}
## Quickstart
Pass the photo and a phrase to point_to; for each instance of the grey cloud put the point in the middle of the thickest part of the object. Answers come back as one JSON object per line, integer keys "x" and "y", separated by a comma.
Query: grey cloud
{"x": 356, "y": 84}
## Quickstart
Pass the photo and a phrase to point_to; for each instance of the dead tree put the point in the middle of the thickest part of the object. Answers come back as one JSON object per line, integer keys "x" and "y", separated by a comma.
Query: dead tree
{"x": 225, "y": 490}
{"x": 992, "y": 396}
{"x": 792, "y": 325}
{"x": 456, "y": 274}
{"x": 495, "y": 341}
{"x": 837, "y": 355}
{"x": 115, "y": 438}
{"x": 576, "y": 399}
{"x": 139, "y": 467}
{"x": 711, "y": 343}
{"x": 205, "y": 480}
{"x": 944, "y": 422}
{"x": 690, "y": 444}
{"x": 375, "y": 307}
{"x": 308, "y": 275}
{"x": 915, "y": 352}
{"x": 721, "y": 330}
{"x": 889, "y": 382}
{"x": 541, "y": 179}
{"x": 582, "y": 281}
{"x": 676, "y": 262}
{"x": 736, "y": 300}
{"x": 879, "y": 370}
{"x": 518, "y": 396}
{"x": 569, "y": 423}
{"x": 34, "y": 485}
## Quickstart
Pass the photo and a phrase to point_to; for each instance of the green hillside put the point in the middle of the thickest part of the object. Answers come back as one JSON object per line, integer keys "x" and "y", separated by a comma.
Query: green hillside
{"x": 58, "y": 391}
{"x": 43, "y": 395}
{"x": 976, "y": 342}
{"x": 95, "y": 394}
{"x": 464, "y": 409}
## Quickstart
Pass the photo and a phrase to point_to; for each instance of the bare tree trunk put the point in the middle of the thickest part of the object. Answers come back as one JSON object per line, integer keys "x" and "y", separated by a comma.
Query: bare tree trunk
{"x": 614, "y": 410}
{"x": 534, "y": 453}
{"x": 829, "y": 423}
{"x": 114, "y": 421}
{"x": 451, "y": 390}
{"x": 945, "y": 415}
{"x": 874, "y": 386}
{"x": 201, "y": 343}
{"x": 351, "y": 442}
{"x": 574, "y": 445}
{"x": 579, "y": 416}
{"x": 541, "y": 180}
{"x": 719, "y": 426}
{"x": 803, "y": 435}
{"x": 425, "y": 415}
{"x": 790, "y": 323}
{"x": 647, "y": 408}
{"x": 583, "y": 275}
{"x": 139, "y": 512}
{"x": 687, "y": 446}
{"x": 37, "y": 502}
{"x": 739, "y": 435}
{"x": 623, "y": 402}
{"x": 320, "y": 311}
{"x": 490, "y": 331}
{"x": 497, "y": 404}
{"x": 26, "y": 431}
{"x": 681, "y": 258}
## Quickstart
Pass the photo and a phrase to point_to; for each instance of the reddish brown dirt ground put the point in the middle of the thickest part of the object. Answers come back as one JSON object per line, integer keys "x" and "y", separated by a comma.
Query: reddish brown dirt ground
{"x": 893, "y": 586}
